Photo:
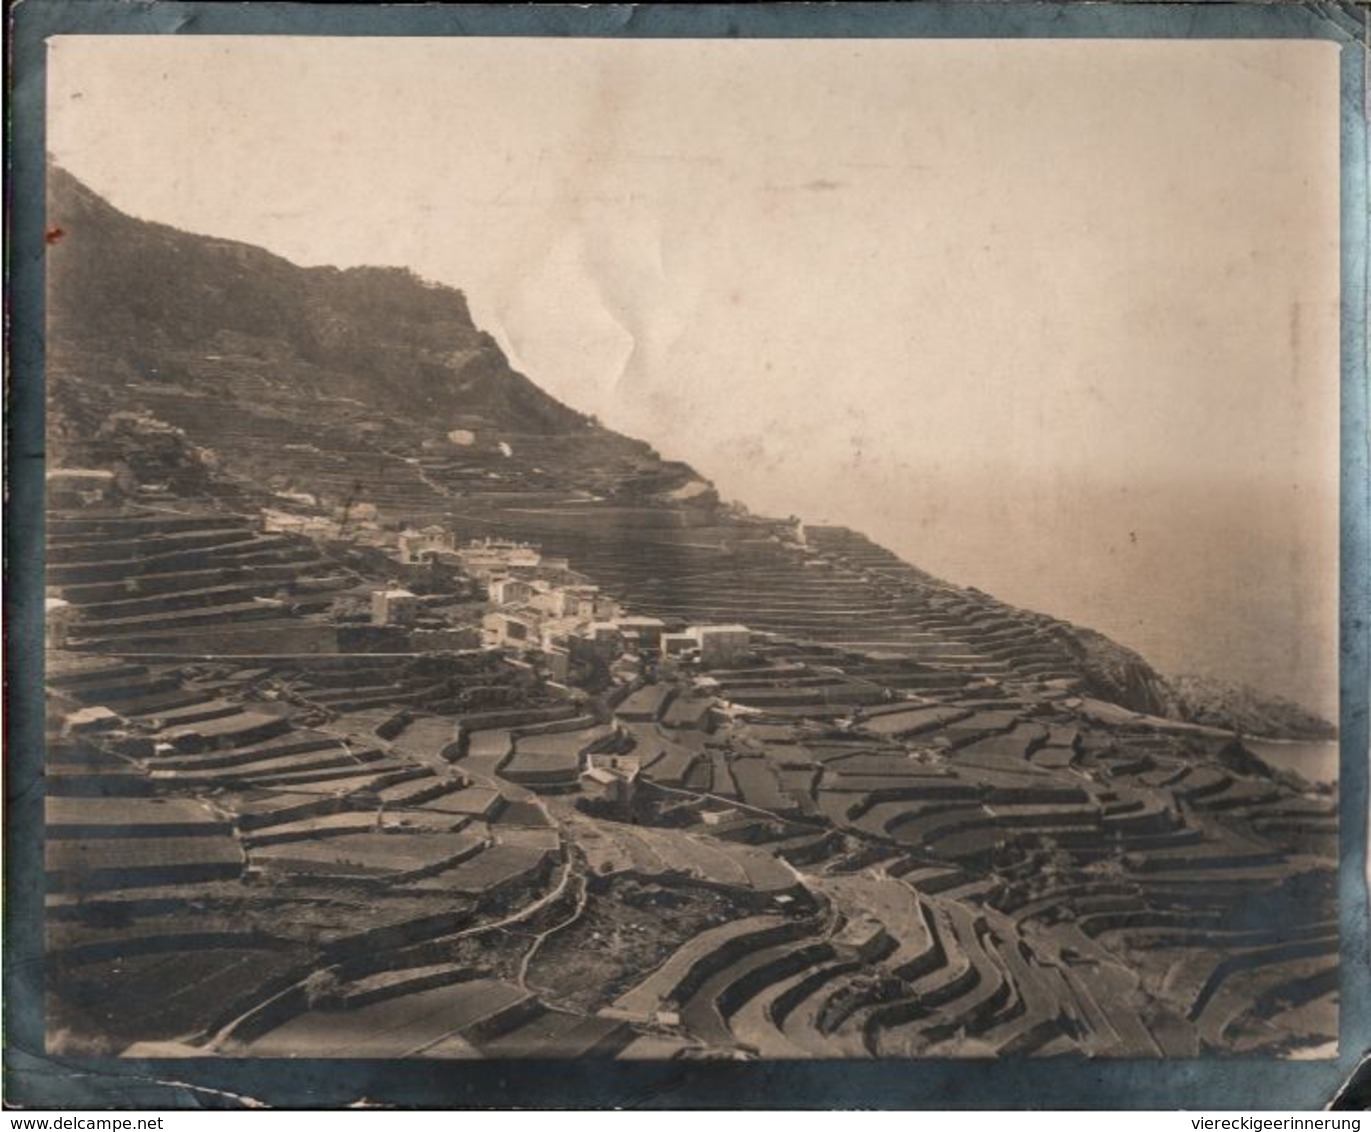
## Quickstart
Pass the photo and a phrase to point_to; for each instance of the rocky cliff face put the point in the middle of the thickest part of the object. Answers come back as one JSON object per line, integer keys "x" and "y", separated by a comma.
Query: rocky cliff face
{"x": 150, "y": 300}
{"x": 1217, "y": 703}
{"x": 1115, "y": 673}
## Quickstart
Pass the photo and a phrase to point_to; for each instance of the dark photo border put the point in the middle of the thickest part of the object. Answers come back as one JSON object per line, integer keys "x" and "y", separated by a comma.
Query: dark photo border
{"x": 34, "y": 1079}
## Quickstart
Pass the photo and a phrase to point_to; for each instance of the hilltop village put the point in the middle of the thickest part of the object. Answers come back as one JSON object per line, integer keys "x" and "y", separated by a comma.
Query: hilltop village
{"x": 470, "y": 729}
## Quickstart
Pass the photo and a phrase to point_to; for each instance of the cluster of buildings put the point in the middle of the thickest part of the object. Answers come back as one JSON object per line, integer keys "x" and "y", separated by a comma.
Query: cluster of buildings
{"x": 556, "y": 618}
{"x": 537, "y": 600}
{"x": 651, "y": 636}
{"x": 555, "y": 611}
{"x": 486, "y": 559}
{"x": 357, "y": 522}
{"x": 311, "y": 526}
{"x": 552, "y": 616}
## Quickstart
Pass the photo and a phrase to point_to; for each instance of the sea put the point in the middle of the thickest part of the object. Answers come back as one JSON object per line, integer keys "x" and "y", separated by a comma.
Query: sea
{"x": 1314, "y": 762}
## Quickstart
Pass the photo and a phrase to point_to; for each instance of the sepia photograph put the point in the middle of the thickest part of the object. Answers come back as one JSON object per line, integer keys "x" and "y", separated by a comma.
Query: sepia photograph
{"x": 691, "y": 549}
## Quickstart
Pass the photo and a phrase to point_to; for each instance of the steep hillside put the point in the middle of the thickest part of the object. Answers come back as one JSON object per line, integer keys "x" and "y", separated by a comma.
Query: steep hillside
{"x": 372, "y": 385}
{"x": 290, "y": 812}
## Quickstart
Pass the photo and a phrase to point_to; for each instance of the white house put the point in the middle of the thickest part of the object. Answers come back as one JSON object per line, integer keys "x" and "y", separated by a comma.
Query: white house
{"x": 715, "y": 644}
{"x": 720, "y": 644}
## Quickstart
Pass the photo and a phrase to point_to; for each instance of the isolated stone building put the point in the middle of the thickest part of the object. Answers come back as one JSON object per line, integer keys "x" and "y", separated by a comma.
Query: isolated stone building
{"x": 393, "y": 607}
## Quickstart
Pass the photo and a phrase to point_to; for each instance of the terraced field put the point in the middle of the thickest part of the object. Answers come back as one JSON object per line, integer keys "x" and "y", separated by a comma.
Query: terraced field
{"x": 190, "y": 579}
{"x": 224, "y": 815}
{"x": 962, "y": 875}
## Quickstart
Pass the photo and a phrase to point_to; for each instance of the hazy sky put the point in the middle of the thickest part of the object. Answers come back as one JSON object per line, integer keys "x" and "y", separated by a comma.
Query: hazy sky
{"x": 1054, "y": 318}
